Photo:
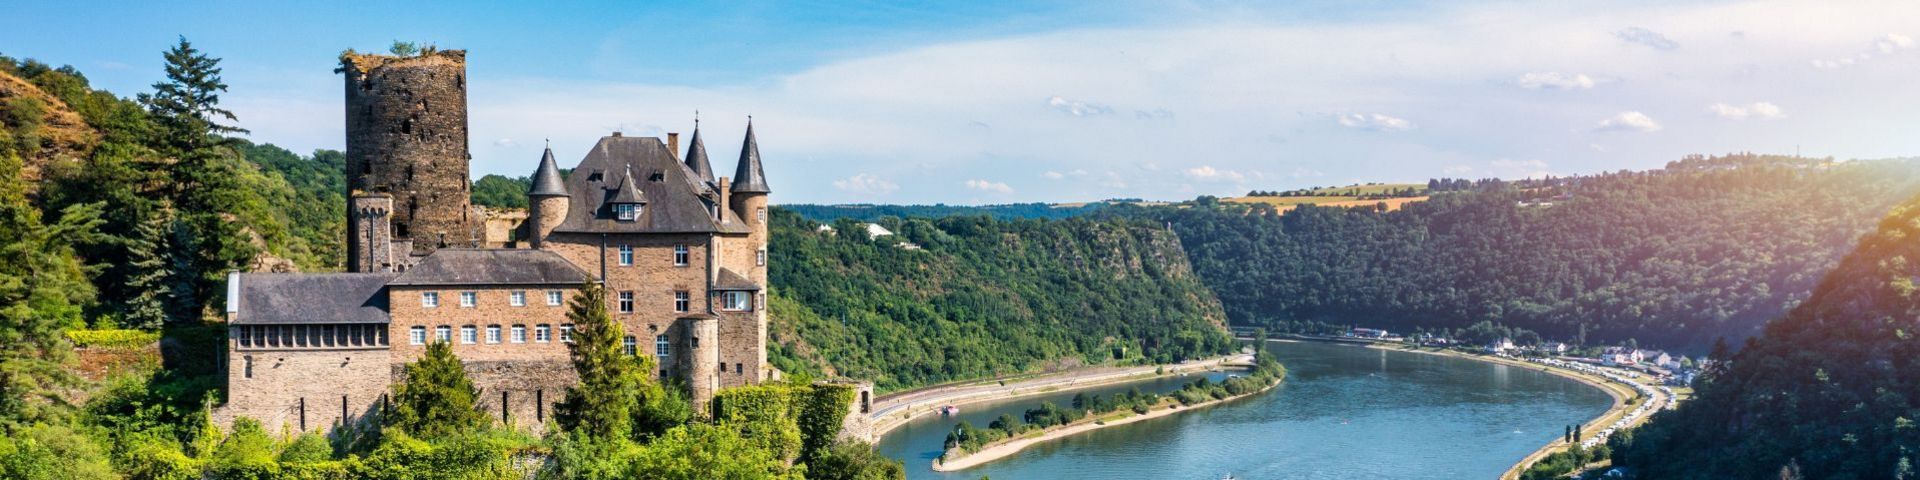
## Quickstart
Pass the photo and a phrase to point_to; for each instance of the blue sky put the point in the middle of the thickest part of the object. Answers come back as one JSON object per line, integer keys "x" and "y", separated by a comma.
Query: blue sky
{"x": 994, "y": 102}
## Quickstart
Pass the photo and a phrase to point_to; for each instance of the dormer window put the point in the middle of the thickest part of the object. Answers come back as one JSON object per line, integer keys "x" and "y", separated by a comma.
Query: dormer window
{"x": 626, "y": 212}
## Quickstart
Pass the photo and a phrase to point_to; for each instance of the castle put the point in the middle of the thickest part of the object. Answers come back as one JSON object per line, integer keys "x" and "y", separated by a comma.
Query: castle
{"x": 681, "y": 253}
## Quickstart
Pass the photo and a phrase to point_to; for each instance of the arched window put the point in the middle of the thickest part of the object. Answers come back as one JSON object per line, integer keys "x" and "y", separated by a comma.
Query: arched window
{"x": 630, "y": 345}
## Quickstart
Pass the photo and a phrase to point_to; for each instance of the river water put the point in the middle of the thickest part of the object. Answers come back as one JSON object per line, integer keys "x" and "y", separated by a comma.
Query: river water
{"x": 1345, "y": 412}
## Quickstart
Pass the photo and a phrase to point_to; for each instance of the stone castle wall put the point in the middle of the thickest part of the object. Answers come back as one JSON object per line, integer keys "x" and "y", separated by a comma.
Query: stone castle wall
{"x": 407, "y": 135}
{"x": 304, "y": 390}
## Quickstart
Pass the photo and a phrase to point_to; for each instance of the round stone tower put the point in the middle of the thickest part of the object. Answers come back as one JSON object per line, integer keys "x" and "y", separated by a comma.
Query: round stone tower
{"x": 546, "y": 201}
{"x": 407, "y": 136}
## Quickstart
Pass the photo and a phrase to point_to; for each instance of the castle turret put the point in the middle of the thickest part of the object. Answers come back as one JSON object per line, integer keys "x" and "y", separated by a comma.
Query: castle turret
{"x": 546, "y": 200}
{"x": 697, "y": 157}
{"x": 407, "y": 136}
{"x": 747, "y": 197}
{"x": 370, "y": 219}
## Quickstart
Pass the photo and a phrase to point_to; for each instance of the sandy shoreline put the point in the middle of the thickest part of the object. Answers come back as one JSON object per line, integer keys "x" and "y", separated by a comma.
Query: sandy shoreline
{"x": 1008, "y": 448}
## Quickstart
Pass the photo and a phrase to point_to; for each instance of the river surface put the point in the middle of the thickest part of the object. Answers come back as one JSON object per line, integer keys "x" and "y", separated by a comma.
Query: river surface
{"x": 1345, "y": 412}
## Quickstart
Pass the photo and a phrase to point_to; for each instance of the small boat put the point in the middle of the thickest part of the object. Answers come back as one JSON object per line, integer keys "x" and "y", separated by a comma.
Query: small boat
{"x": 949, "y": 410}
{"x": 1229, "y": 477}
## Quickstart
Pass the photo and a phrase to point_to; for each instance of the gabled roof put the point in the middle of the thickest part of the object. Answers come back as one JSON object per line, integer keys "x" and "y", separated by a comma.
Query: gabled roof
{"x": 546, "y": 179}
{"x": 728, "y": 280}
{"x": 492, "y": 266}
{"x": 674, "y": 204}
{"x": 309, "y": 298}
{"x": 748, "y": 177}
{"x": 628, "y": 191}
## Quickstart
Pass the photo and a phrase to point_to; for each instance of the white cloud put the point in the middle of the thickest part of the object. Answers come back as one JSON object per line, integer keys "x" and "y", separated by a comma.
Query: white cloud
{"x": 1052, "y": 175}
{"x": 1646, "y": 37}
{"x": 1207, "y": 172}
{"x": 506, "y": 142}
{"x": 1375, "y": 122}
{"x": 1555, "y": 81}
{"x": 866, "y": 184}
{"x": 989, "y": 186}
{"x": 1597, "y": 147}
{"x": 1628, "y": 122}
{"x": 1888, "y": 44}
{"x": 1078, "y": 108}
{"x": 1304, "y": 172}
{"x": 1760, "y": 110}
{"x": 1457, "y": 169}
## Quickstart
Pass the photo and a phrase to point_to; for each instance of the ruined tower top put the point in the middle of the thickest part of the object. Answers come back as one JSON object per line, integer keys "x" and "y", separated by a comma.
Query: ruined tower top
{"x": 407, "y": 136}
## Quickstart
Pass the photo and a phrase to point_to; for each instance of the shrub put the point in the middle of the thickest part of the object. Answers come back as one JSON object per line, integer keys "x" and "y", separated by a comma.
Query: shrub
{"x": 112, "y": 338}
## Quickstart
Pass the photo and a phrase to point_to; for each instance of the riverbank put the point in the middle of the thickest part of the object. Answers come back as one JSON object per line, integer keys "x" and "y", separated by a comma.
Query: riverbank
{"x": 893, "y": 410}
{"x": 1621, "y": 394}
{"x": 1006, "y": 448}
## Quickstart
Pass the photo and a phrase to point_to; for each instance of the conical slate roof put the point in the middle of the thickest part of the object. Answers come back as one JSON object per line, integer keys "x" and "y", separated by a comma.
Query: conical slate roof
{"x": 629, "y": 192}
{"x": 748, "y": 177}
{"x": 546, "y": 179}
{"x": 697, "y": 157}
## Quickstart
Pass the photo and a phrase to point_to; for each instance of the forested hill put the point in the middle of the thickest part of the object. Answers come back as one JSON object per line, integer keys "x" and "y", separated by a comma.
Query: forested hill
{"x": 1676, "y": 257}
{"x": 966, "y": 297}
{"x": 866, "y": 212}
{"x": 1829, "y": 391}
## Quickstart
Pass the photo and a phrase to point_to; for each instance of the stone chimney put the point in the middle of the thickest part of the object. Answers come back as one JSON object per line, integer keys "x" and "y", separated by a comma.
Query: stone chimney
{"x": 673, "y": 144}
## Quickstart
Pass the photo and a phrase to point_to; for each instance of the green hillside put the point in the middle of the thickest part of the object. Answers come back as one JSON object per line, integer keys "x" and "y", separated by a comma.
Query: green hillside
{"x": 1705, "y": 248}
{"x": 1829, "y": 391}
{"x": 973, "y": 296}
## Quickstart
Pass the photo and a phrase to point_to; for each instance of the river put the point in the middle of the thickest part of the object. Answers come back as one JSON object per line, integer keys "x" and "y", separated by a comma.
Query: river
{"x": 1345, "y": 412}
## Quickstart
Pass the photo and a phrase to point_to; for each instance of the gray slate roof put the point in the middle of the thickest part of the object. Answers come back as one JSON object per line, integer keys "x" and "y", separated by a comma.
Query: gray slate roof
{"x": 748, "y": 176}
{"x": 492, "y": 266}
{"x": 310, "y": 298}
{"x": 728, "y": 280}
{"x": 697, "y": 158}
{"x": 674, "y": 204}
{"x": 546, "y": 179}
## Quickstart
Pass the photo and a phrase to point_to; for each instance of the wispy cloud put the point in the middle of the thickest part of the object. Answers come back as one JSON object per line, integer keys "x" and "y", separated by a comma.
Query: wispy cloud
{"x": 1889, "y": 44}
{"x": 506, "y": 143}
{"x": 989, "y": 186}
{"x": 1756, "y": 110}
{"x": 1647, "y": 37}
{"x": 1078, "y": 108}
{"x": 1555, "y": 81}
{"x": 866, "y": 184}
{"x": 1207, "y": 172}
{"x": 1628, "y": 122}
{"x": 1375, "y": 122}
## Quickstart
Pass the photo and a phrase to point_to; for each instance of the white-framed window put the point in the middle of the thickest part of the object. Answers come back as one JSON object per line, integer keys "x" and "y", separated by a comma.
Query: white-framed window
{"x": 429, "y": 299}
{"x": 629, "y": 345}
{"x": 760, "y": 257}
{"x": 682, "y": 301}
{"x": 469, "y": 335}
{"x": 738, "y": 301}
{"x": 469, "y": 299}
{"x": 518, "y": 334}
{"x": 626, "y": 211}
{"x": 518, "y": 298}
{"x": 566, "y": 332}
{"x": 626, "y": 301}
{"x": 553, "y": 297}
{"x": 662, "y": 348}
{"x": 443, "y": 333}
{"x": 626, "y": 255}
{"x": 542, "y": 333}
{"x": 493, "y": 334}
{"x": 417, "y": 335}
{"x": 680, "y": 255}
{"x": 761, "y": 214}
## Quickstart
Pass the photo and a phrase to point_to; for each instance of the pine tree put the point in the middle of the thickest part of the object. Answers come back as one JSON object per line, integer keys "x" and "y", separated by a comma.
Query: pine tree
{"x": 204, "y": 179}
{"x": 437, "y": 399}
{"x": 148, "y": 258}
{"x": 599, "y": 406}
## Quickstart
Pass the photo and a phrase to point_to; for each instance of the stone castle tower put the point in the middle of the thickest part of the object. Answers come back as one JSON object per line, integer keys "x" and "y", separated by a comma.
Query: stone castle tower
{"x": 407, "y": 137}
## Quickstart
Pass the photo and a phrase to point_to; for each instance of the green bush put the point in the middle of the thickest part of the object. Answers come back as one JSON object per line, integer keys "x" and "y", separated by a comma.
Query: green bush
{"x": 50, "y": 452}
{"x": 112, "y": 338}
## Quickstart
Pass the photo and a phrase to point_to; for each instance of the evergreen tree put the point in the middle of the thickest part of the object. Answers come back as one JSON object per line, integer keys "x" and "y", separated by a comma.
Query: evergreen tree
{"x": 599, "y": 406}
{"x": 148, "y": 255}
{"x": 437, "y": 399}
{"x": 204, "y": 181}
